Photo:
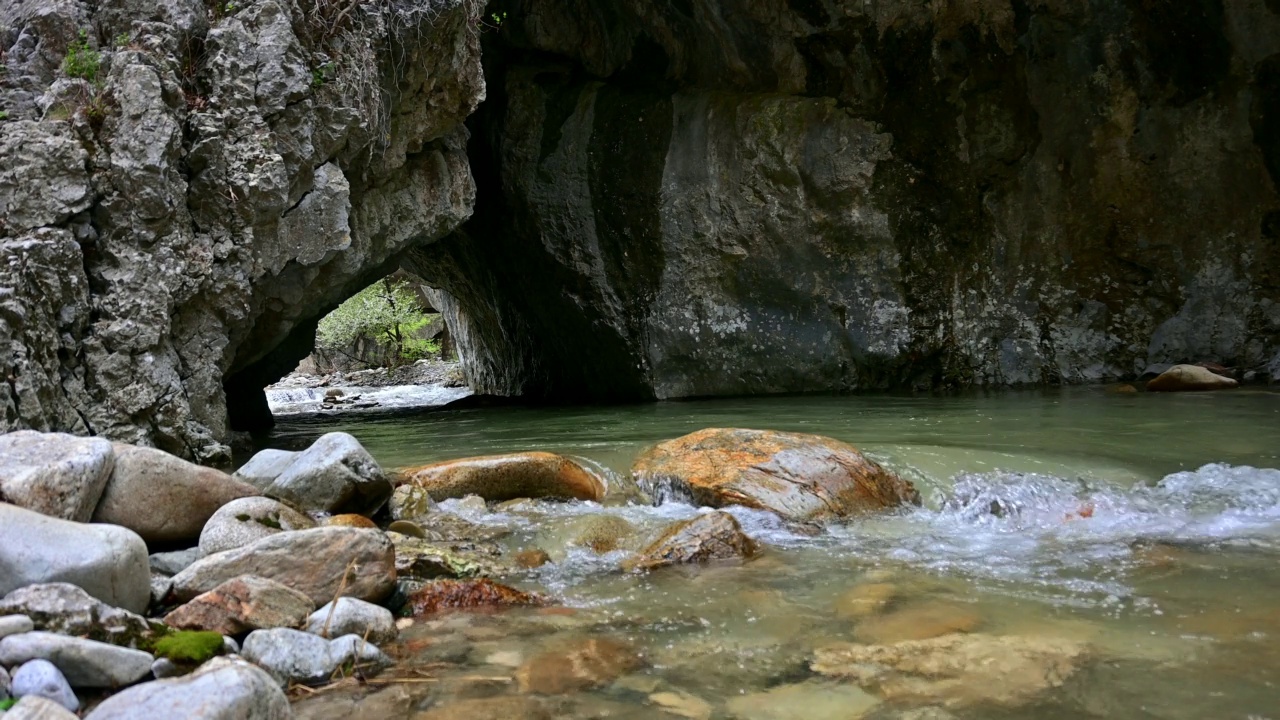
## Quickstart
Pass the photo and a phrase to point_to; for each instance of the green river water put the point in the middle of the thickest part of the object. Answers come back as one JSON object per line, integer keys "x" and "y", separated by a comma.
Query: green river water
{"x": 1141, "y": 530}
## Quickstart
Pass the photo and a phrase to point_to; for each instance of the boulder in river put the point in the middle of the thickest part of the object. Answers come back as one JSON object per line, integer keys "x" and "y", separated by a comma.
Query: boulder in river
{"x": 316, "y": 562}
{"x": 241, "y": 605}
{"x": 956, "y": 670}
{"x": 85, "y": 663}
{"x": 108, "y": 561}
{"x": 1181, "y": 378}
{"x": 164, "y": 498}
{"x": 440, "y": 595}
{"x": 54, "y": 474}
{"x": 584, "y": 665}
{"x": 798, "y": 476}
{"x": 710, "y": 536}
{"x": 336, "y": 475}
{"x": 247, "y": 520}
{"x": 221, "y": 689}
{"x": 69, "y": 610}
{"x": 507, "y": 477}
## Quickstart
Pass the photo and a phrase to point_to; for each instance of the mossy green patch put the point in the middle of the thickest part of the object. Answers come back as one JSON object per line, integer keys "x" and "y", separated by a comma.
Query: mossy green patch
{"x": 7, "y": 703}
{"x": 191, "y": 646}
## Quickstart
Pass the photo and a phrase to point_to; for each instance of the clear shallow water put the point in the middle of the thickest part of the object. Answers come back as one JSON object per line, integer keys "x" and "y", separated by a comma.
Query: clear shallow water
{"x": 1145, "y": 527}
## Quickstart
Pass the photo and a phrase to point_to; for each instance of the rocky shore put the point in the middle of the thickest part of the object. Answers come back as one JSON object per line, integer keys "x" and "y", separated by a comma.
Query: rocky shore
{"x": 420, "y": 385}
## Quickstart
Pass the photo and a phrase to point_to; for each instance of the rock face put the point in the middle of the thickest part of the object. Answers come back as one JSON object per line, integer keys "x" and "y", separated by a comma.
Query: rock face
{"x": 800, "y": 477}
{"x": 241, "y": 605}
{"x": 507, "y": 477}
{"x": 1189, "y": 378}
{"x": 174, "y": 228}
{"x": 713, "y": 536}
{"x": 315, "y": 562}
{"x": 53, "y": 473}
{"x": 107, "y": 561}
{"x": 222, "y": 689}
{"x": 755, "y": 196}
{"x": 162, "y": 497}
{"x": 336, "y": 474}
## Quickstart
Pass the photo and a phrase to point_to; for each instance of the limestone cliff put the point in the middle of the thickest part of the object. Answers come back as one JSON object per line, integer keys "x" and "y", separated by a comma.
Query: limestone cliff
{"x": 700, "y": 197}
{"x": 186, "y": 186}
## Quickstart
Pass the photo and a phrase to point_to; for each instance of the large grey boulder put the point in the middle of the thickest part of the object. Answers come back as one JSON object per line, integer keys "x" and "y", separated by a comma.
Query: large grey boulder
{"x": 351, "y": 616}
{"x": 247, "y": 520}
{"x": 68, "y": 610}
{"x": 295, "y": 656}
{"x": 41, "y": 678}
{"x": 336, "y": 474}
{"x": 53, "y": 473}
{"x": 107, "y": 561}
{"x": 85, "y": 663}
{"x": 173, "y": 562}
{"x": 164, "y": 498}
{"x": 316, "y": 562}
{"x": 221, "y": 689}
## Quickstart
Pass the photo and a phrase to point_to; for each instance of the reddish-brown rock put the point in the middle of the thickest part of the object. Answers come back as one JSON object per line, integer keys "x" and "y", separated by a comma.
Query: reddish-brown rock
{"x": 467, "y": 595}
{"x": 507, "y": 477}
{"x": 797, "y": 476}
{"x": 532, "y": 558}
{"x": 350, "y": 520}
{"x": 241, "y": 605}
{"x": 711, "y": 536}
{"x": 588, "y": 664}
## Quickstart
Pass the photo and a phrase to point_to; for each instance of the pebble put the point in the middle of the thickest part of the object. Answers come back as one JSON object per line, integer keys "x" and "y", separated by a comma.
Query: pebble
{"x": 85, "y": 663}
{"x": 43, "y": 679}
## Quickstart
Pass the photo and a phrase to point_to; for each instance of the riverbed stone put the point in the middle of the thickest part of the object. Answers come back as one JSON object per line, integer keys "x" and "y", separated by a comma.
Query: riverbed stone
{"x": 164, "y": 498}
{"x": 42, "y": 678}
{"x": 108, "y": 561}
{"x": 68, "y": 610}
{"x": 314, "y": 562}
{"x": 296, "y": 656}
{"x": 956, "y": 670}
{"x": 350, "y": 520}
{"x": 336, "y": 475}
{"x": 710, "y": 536}
{"x": 85, "y": 663}
{"x": 428, "y": 559}
{"x": 247, "y": 520}
{"x": 1188, "y": 378}
{"x": 918, "y": 622}
{"x": 15, "y": 624}
{"x": 350, "y": 616}
{"x": 497, "y": 478}
{"x": 54, "y": 474}
{"x": 866, "y": 599}
{"x": 221, "y": 689}
{"x": 35, "y": 707}
{"x": 582, "y": 665}
{"x": 804, "y": 701}
{"x": 798, "y": 476}
{"x": 440, "y": 595}
{"x": 410, "y": 502}
{"x": 174, "y": 562}
{"x": 604, "y": 533}
{"x": 243, "y": 604}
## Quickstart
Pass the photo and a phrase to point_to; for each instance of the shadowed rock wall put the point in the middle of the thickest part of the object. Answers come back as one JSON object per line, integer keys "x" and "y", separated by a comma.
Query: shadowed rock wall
{"x": 701, "y": 197}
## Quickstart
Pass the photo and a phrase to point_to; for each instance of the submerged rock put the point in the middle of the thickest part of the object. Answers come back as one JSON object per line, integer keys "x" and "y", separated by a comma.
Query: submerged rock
{"x": 956, "y": 670}
{"x": 107, "y": 561}
{"x": 316, "y": 562}
{"x": 221, "y": 689}
{"x": 429, "y": 559}
{"x": 507, "y": 477}
{"x": 710, "y": 536}
{"x": 584, "y": 665}
{"x": 532, "y": 558}
{"x": 164, "y": 498}
{"x": 247, "y": 520}
{"x": 410, "y": 502}
{"x": 349, "y": 616}
{"x": 41, "y": 678}
{"x": 604, "y": 533}
{"x": 54, "y": 474}
{"x": 243, "y": 604}
{"x": 1181, "y": 378}
{"x": 85, "y": 663}
{"x": 68, "y": 610}
{"x": 800, "y": 477}
{"x": 804, "y": 701}
{"x": 865, "y": 599}
{"x": 918, "y": 622}
{"x": 296, "y": 656}
{"x": 440, "y": 595}
{"x": 336, "y": 475}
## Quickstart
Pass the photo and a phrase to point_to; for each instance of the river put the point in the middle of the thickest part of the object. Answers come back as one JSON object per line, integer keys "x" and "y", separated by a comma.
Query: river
{"x": 1143, "y": 528}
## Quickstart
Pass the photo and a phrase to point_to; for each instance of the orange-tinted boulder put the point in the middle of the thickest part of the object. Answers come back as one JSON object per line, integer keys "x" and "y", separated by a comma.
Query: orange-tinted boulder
{"x": 350, "y": 520}
{"x": 797, "y": 476}
{"x": 1182, "y": 378}
{"x": 467, "y": 595}
{"x": 713, "y": 536}
{"x": 506, "y": 477}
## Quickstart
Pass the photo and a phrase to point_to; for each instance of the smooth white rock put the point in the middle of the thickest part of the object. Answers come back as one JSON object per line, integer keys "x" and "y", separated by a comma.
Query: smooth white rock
{"x": 221, "y": 689}
{"x": 34, "y": 707}
{"x": 43, "y": 679}
{"x": 353, "y": 616}
{"x": 336, "y": 474}
{"x": 296, "y": 656}
{"x": 85, "y": 663}
{"x": 55, "y": 474}
{"x": 15, "y": 624}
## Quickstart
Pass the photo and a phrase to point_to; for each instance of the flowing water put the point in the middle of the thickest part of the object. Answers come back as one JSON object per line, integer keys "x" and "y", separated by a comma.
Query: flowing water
{"x": 1140, "y": 532}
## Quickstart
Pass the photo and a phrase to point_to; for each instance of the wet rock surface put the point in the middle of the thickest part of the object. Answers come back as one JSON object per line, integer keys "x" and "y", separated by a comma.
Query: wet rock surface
{"x": 442, "y": 595}
{"x": 800, "y": 477}
{"x": 582, "y": 666}
{"x": 711, "y": 536}
{"x": 507, "y": 477}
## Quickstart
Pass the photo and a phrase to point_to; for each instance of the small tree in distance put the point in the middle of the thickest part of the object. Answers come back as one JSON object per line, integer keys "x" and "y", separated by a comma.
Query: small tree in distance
{"x": 386, "y": 314}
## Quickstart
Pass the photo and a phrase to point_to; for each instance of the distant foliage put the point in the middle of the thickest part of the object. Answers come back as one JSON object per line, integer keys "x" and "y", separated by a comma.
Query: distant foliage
{"x": 82, "y": 61}
{"x": 387, "y": 313}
